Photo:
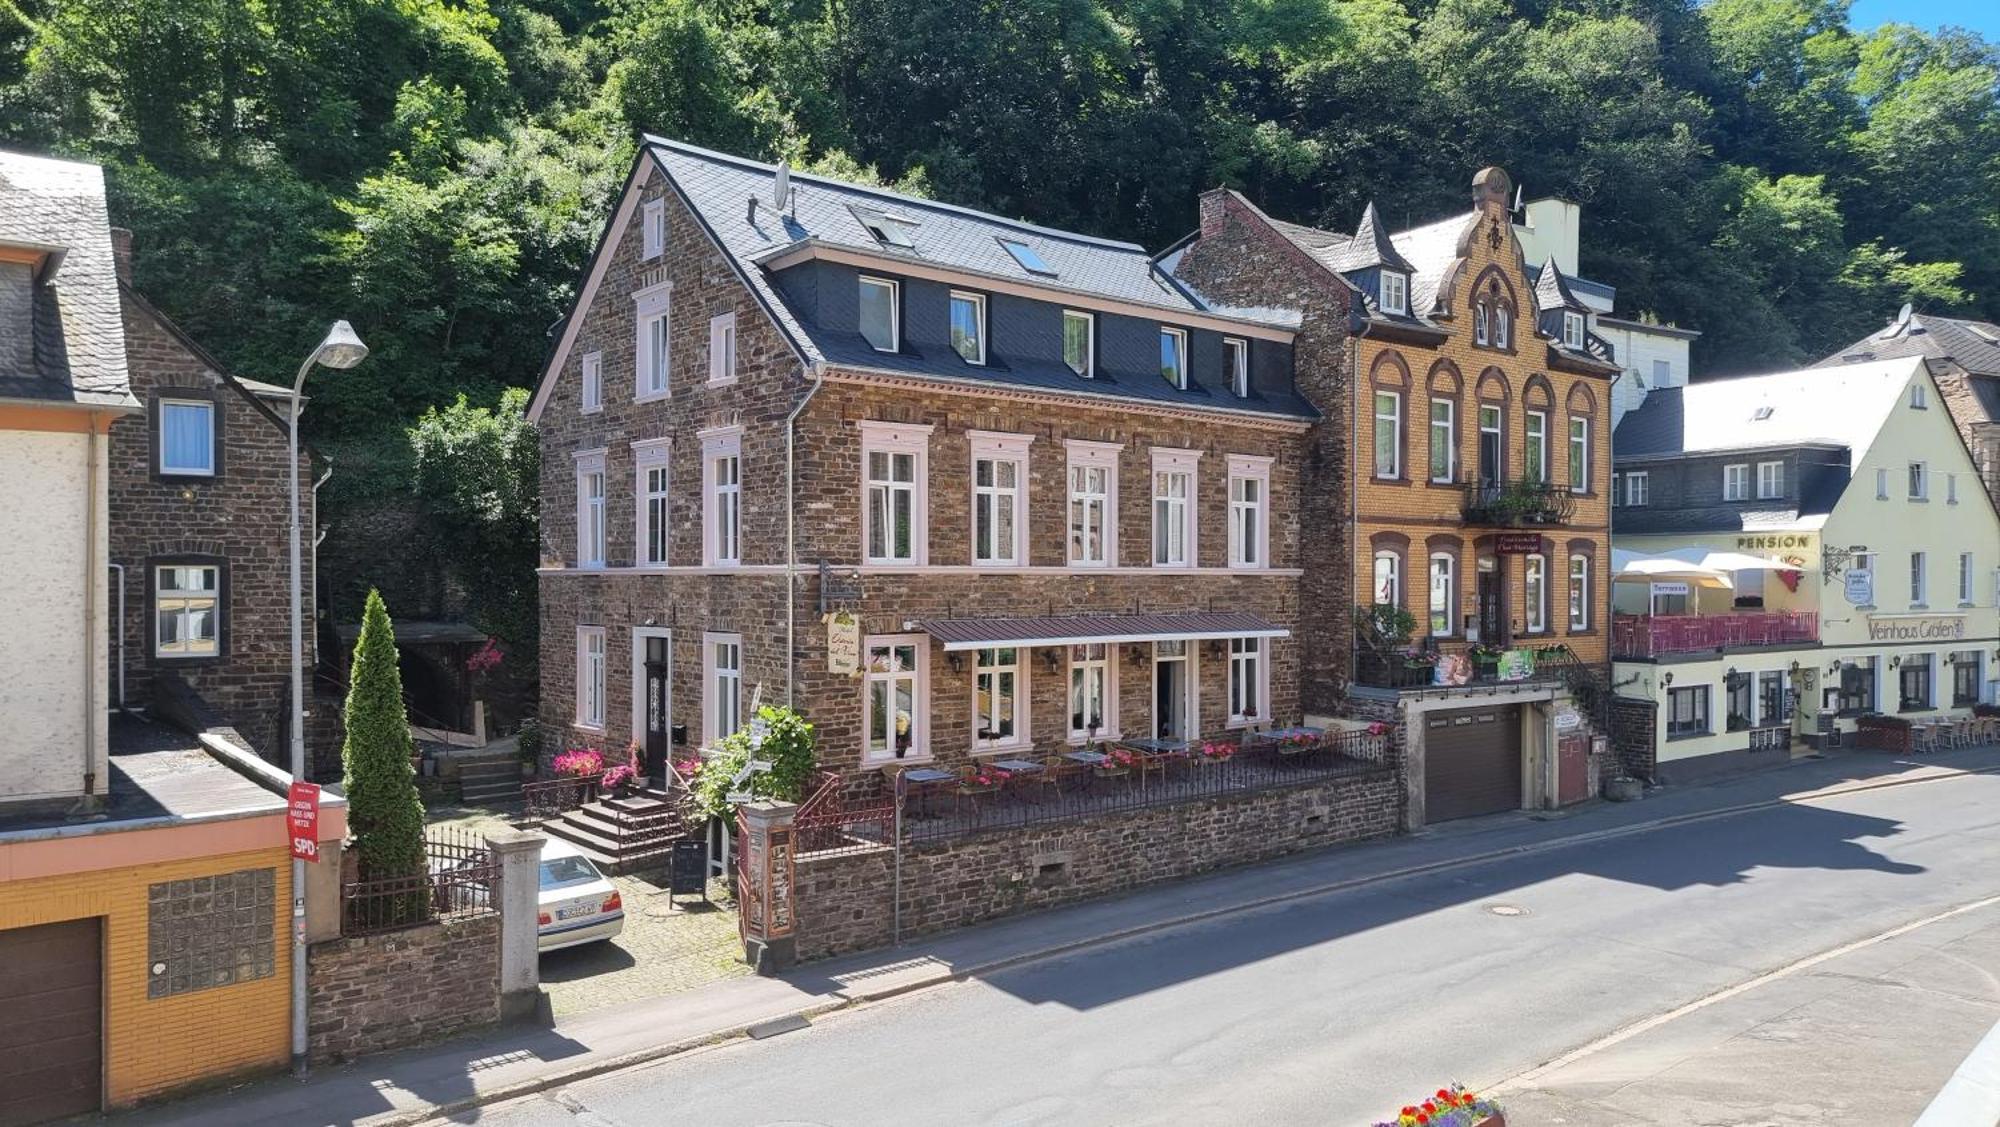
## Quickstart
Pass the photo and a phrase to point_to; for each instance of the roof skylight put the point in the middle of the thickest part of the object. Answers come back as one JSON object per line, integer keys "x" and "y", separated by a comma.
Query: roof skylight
{"x": 889, "y": 230}
{"x": 1026, "y": 256}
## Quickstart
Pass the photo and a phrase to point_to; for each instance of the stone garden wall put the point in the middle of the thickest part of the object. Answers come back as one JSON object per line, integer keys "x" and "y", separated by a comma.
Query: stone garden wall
{"x": 844, "y": 900}
{"x": 378, "y": 992}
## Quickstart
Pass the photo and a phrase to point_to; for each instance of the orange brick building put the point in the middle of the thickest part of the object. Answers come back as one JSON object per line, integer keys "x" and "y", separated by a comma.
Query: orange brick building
{"x": 1476, "y": 442}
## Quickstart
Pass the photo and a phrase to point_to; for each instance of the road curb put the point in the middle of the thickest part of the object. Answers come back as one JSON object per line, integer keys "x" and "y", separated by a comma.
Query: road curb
{"x": 961, "y": 974}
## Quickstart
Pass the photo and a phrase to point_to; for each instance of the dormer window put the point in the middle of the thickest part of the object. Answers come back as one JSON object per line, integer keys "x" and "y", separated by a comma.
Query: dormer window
{"x": 1026, "y": 256}
{"x": 1237, "y": 353}
{"x": 879, "y": 314}
{"x": 1573, "y": 331}
{"x": 1173, "y": 357}
{"x": 889, "y": 230}
{"x": 1395, "y": 293}
{"x": 968, "y": 326}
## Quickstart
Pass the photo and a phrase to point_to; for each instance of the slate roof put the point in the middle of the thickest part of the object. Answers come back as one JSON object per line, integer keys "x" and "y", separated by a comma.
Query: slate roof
{"x": 1647, "y": 520}
{"x": 1369, "y": 246}
{"x": 828, "y": 212}
{"x": 1552, "y": 290}
{"x": 1842, "y": 407}
{"x": 1973, "y": 345}
{"x": 78, "y": 334}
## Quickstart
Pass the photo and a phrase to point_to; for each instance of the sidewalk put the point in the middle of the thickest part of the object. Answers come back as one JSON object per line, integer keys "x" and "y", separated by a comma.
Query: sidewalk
{"x": 411, "y": 1086}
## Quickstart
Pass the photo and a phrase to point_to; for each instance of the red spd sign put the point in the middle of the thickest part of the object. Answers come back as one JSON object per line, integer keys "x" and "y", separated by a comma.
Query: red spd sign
{"x": 302, "y": 821}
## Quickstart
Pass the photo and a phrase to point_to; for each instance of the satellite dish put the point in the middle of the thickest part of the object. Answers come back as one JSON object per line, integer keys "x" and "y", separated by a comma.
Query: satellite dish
{"x": 1903, "y": 314}
{"x": 782, "y": 186}
{"x": 1517, "y": 197}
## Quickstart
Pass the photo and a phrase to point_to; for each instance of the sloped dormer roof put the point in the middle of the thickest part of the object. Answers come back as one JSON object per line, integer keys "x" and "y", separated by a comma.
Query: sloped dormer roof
{"x": 1552, "y": 291}
{"x": 78, "y": 338}
{"x": 1370, "y": 247}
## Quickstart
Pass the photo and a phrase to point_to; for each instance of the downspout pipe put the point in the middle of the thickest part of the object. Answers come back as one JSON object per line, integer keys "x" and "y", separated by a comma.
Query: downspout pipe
{"x": 120, "y": 569}
{"x": 818, "y": 377}
{"x": 91, "y": 611}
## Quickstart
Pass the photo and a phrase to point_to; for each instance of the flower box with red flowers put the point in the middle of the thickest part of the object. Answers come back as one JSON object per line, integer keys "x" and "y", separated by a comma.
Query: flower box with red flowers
{"x": 1449, "y": 1107}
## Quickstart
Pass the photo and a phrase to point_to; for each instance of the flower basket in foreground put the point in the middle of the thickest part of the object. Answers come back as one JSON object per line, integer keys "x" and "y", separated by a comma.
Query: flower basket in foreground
{"x": 1449, "y": 1107}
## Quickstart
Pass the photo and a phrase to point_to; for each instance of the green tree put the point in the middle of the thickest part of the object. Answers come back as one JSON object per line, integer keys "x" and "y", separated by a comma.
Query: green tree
{"x": 384, "y": 814}
{"x": 477, "y": 471}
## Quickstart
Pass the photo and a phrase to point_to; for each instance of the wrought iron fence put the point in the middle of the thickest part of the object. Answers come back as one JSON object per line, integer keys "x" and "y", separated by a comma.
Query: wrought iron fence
{"x": 549, "y": 798}
{"x": 460, "y": 880}
{"x": 832, "y": 820}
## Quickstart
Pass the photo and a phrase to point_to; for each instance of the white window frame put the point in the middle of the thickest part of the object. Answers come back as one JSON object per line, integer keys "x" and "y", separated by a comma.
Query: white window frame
{"x": 978, "y": 302}
{"x": 1535, "y": 445}
{"x": 1920, "y": 579}
{"x": 1579, "y": 592}
{"x": 1254, "y": 653}
{"x": 211, "y": 411}
{"x": 1573, "y": 331}
{"x": 1882, "y": 484}
{"x": 1105, "y": 663}
{"x": 1579, "y": 453}
{"x": 1236, "y": 353}
{"x": 722, "y": 350}
{"x": 651, "y": 457}
{"x": 1089, "y": 342}
{"x": 1736, "y": 481}
{"x": 1251, "y": 551}
{"x": 1448, "y": 605}
{"x": 1450, "y": 426}
{"x": 1965, "y": 579}
{"x": 1920, "y": 481}
{"x": 721, "y": 503}
{"x": 895, "y": 289}
{"x": 652, "y": 376}
{"x": 892, "y": 439}
{"x": 1503, "y": 327}
{"x": 1086, "y": 456}
{"x": 1920, "y": 399}
{"x": 1395, "y": 421}
{"x": 998, "y": 448}
{"x": 592, "y": 396}
{"x": 1394, "y": 574}
{"x": 1180, "y": 337}
{"x": 721, "y": 687}
{"x": 590, "y": 508}
{"x": 590, "y": 661}
{"x": 1394, "y": 292}
{"x": 652, "y": 229}
{"x": 1770, "y": 481}
{"x": 1481, "y": 334}
{"x": 1535, "y": 593}
{"x": 1951, "y": 489}
{"x": 920, "y": 693}
{"x": 180, "y": 603}
{"x": 1184, "y": 464}
{"x": 1638, "y": 488}
{"x": 1023, "y": 737}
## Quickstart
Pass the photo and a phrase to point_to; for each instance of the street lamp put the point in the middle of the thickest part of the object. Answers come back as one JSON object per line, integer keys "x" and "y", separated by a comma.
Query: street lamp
{"x": 341, "y": 349}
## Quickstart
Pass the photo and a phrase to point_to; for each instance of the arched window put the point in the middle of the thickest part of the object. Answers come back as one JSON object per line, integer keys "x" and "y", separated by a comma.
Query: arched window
{"x": 1441, "y": 593}
{"x": 1481, "y": 333}
{"x": 1503, "y": 326}
{"x": 1390, "y": 378}
{"x": 1582, "y": 419}
{"x": 1388, "y": 587}
{"x": 1535, "y": 592}
{"x": 1441, "y": 439}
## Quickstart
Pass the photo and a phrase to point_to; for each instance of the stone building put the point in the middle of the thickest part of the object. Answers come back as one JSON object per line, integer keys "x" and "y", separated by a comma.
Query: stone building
{"x": 1056, "y": 495}
{"x": 199, "y": 553}
{"x": 1470, "y": 521}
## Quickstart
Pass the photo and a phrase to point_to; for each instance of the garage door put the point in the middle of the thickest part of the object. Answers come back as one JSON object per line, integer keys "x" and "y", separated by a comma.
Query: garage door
{"x": 51, "y": 1041}
{"x": 1472, "y": 762}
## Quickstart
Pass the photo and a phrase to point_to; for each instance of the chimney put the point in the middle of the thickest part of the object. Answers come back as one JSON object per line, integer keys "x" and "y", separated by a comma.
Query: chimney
{"x": 1214, "y": 205}
{"x": 121, "y": 253}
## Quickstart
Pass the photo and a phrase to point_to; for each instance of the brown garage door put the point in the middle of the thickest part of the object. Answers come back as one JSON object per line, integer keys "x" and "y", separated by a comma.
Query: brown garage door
{"x": 51, "y": 1040}
{"x": 1472, "y": 762}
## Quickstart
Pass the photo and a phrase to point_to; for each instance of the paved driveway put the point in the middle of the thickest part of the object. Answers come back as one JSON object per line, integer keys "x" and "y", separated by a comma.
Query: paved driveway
{"x": 661, "y": 951}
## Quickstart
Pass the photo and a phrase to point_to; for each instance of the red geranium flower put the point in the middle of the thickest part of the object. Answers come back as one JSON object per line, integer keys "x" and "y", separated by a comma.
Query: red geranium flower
{"x": 1444, "y": 1095}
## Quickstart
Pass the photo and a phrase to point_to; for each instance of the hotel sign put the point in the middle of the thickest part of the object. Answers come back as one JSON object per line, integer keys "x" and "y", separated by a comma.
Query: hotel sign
{"x": 1915, "y": 627}
{"x": 1778, "y": 542}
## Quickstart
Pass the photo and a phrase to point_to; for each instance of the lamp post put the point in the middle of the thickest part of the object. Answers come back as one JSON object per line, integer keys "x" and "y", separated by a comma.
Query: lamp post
{"x": 341, "y": 348}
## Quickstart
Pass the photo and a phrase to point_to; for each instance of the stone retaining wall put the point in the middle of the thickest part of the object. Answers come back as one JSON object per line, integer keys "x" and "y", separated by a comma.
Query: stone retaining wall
{"x": 844, "y": 900}
{"x": 403, "y": 988}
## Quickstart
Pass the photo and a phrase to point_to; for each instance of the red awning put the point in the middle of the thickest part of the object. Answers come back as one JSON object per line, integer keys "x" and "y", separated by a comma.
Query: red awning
{"x": 1075, "y": 629}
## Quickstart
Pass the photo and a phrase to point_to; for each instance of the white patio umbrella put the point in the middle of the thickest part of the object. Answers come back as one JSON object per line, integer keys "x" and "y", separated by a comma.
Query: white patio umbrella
{"x": 1728, "y": 561}
{"x": 1628, "y": 566}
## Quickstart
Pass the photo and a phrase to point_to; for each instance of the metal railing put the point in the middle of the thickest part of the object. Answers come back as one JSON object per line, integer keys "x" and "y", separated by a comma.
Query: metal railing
{"x": 1644, "y": 636}
{"x": 1520, "y": 503}
{"x": 550, "y": 798}
{"x": 460, "y": 880}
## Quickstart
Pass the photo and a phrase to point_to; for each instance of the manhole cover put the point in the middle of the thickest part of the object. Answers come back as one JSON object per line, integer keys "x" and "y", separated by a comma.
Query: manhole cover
{"x": 1506, "y": 910}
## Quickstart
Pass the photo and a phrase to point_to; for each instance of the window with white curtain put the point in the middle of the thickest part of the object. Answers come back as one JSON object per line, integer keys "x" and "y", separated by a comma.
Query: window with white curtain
{"x": 1249, "y": 511}
{"x": 187, "y": 437}
{"x": 1093, "y": 504}
{"x": 999, "y": 498}
{"x": 722, "y": 350}
{"x": 1443, "y": 594}
{"x": 590, "y": 677}
{"x": 1093, "y": 692}
{"x": 1579, "y": 593}
{"x": 895, "y": 492}
{"x": 1174, "y": 507}
{"x": 649, "y": 460}
{"x": 1249, "y": 684}
{"x": 1535, "y": 589}
{"x": 1444, "y": 440}
{"x": 722, "y": 696}
{"x": 651, "y": 352}
{"x": 590, "y": 508}
{"x": 722, "y": 496}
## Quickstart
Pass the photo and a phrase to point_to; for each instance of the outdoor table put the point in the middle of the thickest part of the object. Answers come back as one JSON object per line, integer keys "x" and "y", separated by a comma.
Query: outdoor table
{"x": 1087, "y": 758}
{"x": 1018, "y": 766}
{"x": 1280, "y": 734}
{"x": 926, "y": 781}
{"x": 1156, "y": 746}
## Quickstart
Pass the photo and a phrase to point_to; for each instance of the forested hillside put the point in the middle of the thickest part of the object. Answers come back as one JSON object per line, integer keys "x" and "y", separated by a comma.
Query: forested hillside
{"x": 436, "y": 171}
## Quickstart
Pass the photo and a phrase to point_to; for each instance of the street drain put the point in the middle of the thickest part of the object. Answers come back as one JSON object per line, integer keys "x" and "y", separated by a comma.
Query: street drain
{"x": 1506, "y": 910}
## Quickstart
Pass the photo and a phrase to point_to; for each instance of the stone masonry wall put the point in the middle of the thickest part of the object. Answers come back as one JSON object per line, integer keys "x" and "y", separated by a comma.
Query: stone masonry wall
{"x": 378, "y": 992}
{"x": 237, "y": 517}
{"x": 1634, "y": 736}
{"x": 844, "y": 901}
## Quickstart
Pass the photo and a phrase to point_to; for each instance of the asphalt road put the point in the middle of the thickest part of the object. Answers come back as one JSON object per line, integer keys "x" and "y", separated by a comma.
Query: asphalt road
{"x": 1335, "y": 1009}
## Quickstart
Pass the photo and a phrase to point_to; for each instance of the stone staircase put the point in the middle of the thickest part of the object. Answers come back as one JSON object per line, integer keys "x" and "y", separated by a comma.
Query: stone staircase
{"x": 622, "y": 835}
{"x": 489, "y": 780}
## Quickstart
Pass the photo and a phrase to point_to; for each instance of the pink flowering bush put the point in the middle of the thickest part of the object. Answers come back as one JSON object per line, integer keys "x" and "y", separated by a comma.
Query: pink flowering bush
{"x": 579, "y": 763}
{"x": 986, "y": 776}
{"x": 486, "y": 658}
{"x": 1216, "y": 749}
{"x": 1378, "y": 728}
{"x": 618, "y": 776}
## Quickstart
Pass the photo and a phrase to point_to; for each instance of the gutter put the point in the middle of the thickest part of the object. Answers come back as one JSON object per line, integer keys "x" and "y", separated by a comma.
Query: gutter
{"x": 817, "y": 374}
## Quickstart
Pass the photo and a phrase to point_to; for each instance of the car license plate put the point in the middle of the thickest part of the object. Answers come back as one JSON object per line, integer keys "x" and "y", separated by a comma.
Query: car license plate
{"x": 573, "y": 911}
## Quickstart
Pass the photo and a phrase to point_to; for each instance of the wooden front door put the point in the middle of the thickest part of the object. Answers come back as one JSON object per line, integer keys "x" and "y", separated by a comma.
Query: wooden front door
{"x": 1492, "y": 607}
{"x": 658, "y": 714}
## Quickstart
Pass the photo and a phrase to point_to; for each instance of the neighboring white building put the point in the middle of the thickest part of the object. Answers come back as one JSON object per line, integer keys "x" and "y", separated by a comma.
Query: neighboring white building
{"x": 62, "y": 383}
{"x": 1854, "y": 478}
{"x": 1652, "y": 355}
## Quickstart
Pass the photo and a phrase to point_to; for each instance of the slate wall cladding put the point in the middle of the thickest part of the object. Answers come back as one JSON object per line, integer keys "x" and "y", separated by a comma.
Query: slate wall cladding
{"x": 238, "y": 517}
{"x": 380, "y": 992}
{"x": 845, "y": 903}
{"x": 203, "y": 932}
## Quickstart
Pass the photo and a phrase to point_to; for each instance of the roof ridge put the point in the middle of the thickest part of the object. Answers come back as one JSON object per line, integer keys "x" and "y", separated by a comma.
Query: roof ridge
{"x": 886, "y": 194}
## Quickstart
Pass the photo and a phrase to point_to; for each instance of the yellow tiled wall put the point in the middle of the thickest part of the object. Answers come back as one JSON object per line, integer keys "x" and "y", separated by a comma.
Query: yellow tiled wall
{"x": 153, "y": 1045}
